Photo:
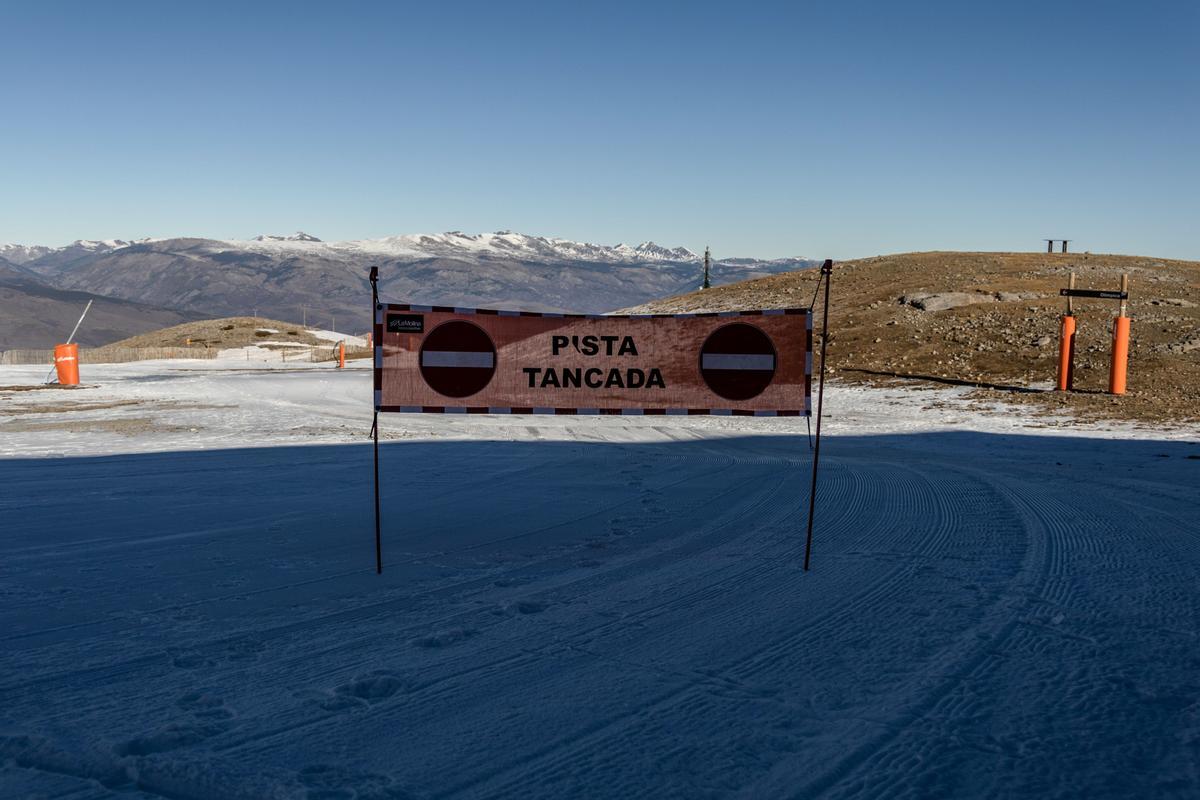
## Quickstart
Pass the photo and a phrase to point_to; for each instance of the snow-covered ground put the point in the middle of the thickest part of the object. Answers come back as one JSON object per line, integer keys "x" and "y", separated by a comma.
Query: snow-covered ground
{"x": 584, "y": 607}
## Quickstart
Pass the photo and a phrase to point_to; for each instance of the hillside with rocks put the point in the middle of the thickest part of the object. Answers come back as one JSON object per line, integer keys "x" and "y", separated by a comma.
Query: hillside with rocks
{"x": 236, "y": 332}
{"x": 991, "y": 320}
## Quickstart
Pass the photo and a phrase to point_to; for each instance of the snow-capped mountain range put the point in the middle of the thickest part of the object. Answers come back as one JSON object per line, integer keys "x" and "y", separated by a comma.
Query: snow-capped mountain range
{"x": 452, "y": 244}
{"x": 290, "y": 276}
{"x": 456, "y": 244}
{"x": 23, "y": 253}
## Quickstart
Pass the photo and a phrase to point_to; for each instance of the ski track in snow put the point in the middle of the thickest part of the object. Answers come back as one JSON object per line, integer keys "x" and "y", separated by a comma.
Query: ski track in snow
{"x": 603, "y": 607}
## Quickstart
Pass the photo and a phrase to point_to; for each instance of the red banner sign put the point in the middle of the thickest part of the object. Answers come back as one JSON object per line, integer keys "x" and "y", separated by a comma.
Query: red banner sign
{"x": 436, "y": 359}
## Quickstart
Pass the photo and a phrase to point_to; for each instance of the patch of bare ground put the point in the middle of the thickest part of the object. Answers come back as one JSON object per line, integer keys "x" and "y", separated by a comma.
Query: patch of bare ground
{"x": 58, "y": 408}
{"x": 36, "y": 387}
{"x": 991, "y": 321}
{"x": 125, "y": 426}
{"x": 62, "y": 408}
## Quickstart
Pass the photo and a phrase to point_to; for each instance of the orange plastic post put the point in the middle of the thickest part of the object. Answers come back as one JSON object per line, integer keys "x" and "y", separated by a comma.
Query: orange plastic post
{"x": 341, "y": 355}
{"x": 1120, "y": 356}
{"x": 1066, "y": 354}
{"x": 66, "y": 364}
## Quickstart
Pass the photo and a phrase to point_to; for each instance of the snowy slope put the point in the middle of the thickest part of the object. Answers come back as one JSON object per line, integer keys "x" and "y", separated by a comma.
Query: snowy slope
{"x": 584, "y": 607}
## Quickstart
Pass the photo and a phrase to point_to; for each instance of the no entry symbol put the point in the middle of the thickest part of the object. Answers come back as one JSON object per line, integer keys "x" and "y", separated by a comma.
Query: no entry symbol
{"x": 457, "y": 359}
{"x": 737, "y": 361}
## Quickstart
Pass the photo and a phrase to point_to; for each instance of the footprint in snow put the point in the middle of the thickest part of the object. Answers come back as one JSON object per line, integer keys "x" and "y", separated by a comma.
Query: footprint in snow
{"x": 204, "y": 704}
{"x": 244, "y": 650}
{"x": 523, "y": 607}
{"x": 170, "y": 737}
{"x": 374, "y": 686}
{"x": 189, "y": 659}
{"x": 444, "y": 638}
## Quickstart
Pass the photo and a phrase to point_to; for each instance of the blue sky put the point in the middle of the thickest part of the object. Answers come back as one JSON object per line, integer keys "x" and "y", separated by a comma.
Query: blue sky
{"x": 763, "y": 129}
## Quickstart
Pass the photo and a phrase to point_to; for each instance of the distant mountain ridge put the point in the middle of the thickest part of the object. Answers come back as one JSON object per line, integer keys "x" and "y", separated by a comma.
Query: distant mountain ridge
{"x": 502, "y": 244}
{"x": 291, "y": 276}
{"x": 505, "y": 244}
{"x": 35, "y": 315}
{"x": 23, "y": 254}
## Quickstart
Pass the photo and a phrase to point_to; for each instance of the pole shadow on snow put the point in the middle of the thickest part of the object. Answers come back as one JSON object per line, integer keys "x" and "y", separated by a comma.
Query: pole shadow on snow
{"x": 946, "y": 380}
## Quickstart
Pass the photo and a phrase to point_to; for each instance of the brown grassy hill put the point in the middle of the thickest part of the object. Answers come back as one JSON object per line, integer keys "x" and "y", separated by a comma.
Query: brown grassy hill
{"x": 993, "y": 322}
{"x": 225, "y": 333}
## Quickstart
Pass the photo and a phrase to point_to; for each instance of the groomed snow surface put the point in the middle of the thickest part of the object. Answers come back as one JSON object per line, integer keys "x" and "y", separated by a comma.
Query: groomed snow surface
{"x": 584, "y": 607}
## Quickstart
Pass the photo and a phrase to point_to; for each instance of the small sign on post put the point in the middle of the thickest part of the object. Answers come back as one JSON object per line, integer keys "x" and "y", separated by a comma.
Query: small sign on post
{"x": 1099, "y": 294}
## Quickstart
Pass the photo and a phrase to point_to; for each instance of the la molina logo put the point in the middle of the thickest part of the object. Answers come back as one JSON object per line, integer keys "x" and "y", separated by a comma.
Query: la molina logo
{"x": 405, "y": 323}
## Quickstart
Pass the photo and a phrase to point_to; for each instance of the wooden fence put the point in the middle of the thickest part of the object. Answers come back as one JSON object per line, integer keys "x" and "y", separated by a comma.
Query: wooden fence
{"x": 107, "y": 355}
{"x": 121, "y": 355}
{"x": 323, "y": 353}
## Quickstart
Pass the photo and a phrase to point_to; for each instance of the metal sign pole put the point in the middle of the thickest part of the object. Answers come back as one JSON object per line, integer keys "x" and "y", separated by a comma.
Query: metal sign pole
{"x": 826, "y": 274}
{"x": 374, "y": 278}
